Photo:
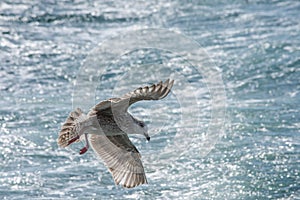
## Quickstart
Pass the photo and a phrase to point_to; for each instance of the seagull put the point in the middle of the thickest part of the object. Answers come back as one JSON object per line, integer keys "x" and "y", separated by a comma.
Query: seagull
{"x": 105, "y": 129}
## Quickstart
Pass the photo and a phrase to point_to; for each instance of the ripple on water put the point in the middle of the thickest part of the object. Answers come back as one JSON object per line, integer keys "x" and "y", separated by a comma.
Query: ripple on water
{"x": 255, "y": 44}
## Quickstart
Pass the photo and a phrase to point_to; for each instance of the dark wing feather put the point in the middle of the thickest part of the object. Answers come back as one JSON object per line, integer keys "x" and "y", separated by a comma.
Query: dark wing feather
{"x": 154, "y": 92}
{"x": 104, "y": 107}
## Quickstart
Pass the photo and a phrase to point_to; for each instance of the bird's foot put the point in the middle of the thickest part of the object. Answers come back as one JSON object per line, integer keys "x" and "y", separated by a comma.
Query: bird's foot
{"x": 84, "y": 149}
{"x": 73, "y": 140}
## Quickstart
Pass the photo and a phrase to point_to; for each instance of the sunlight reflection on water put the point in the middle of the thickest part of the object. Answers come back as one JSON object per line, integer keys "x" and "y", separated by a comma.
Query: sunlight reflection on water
{"x": 256, "y": 46}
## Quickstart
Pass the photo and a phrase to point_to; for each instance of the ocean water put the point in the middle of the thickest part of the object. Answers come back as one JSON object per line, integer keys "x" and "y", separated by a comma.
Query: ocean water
{"x": 230, "y": 129}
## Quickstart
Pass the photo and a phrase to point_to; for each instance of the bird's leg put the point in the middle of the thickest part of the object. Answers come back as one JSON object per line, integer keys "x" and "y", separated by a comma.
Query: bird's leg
{"x": 84, "y": 149}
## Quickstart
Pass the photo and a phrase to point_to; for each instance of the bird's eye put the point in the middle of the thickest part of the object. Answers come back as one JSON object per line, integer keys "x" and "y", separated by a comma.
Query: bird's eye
{"x": 142, "y": 125}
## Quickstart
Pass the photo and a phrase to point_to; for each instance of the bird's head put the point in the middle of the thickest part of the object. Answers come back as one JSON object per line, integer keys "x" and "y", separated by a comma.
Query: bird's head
{"x": 140, "y": 128}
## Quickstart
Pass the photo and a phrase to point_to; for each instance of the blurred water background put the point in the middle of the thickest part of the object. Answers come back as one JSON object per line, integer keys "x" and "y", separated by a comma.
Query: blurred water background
{"x": 255, "y": 44}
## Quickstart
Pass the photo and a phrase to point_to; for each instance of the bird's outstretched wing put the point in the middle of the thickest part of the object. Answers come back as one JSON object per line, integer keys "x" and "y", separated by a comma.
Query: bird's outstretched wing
{"x": 121, "y": 158}
{"x": 153, "y": 92}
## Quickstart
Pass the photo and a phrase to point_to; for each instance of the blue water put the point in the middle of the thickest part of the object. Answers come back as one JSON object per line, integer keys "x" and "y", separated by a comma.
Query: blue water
{"x": 255, "y": 45}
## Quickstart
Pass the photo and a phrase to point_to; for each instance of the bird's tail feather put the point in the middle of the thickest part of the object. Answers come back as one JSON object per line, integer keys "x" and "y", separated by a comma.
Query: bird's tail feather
{"x": 68, "y": 133}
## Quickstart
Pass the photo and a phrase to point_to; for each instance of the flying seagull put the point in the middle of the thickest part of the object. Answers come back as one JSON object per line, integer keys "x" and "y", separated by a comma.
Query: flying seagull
{"x": 105, "y": 129}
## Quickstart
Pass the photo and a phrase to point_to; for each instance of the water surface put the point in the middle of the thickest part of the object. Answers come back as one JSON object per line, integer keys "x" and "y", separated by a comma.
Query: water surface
{"x": 255, "y": 44}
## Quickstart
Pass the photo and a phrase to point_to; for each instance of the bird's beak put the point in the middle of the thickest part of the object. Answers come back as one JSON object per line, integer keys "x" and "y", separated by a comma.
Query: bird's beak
{"x": 147, "y": 136}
